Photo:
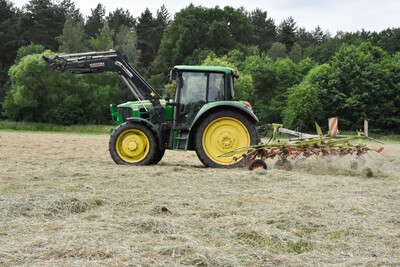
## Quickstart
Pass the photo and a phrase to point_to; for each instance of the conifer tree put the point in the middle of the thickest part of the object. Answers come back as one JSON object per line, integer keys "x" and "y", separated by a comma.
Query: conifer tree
{"x": 95, "y": 22}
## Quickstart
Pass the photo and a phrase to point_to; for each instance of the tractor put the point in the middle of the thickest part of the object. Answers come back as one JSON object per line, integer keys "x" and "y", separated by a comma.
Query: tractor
{"x": 203, "y": 116}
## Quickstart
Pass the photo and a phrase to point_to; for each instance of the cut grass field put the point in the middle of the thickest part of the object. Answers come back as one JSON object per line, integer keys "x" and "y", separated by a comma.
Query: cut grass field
{"x": 63, "y": 201}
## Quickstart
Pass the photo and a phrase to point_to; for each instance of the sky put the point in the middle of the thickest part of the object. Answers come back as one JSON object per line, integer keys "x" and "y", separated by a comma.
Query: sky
{"x": 330, "y": 15}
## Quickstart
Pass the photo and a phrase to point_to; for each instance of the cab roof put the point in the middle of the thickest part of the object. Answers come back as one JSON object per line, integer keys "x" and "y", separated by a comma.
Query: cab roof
{"x": 205, "y": 68}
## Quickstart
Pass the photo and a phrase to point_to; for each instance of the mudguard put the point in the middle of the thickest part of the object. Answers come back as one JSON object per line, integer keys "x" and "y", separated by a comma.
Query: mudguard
{"x": 233, "y": 105}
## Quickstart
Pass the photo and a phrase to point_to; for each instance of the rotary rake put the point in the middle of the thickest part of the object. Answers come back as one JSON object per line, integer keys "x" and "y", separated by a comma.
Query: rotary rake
{"x": 302, "y": 146}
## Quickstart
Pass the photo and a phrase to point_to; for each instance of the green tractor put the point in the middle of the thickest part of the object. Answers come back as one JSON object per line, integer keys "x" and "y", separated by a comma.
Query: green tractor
{"x": 203, "y": 115}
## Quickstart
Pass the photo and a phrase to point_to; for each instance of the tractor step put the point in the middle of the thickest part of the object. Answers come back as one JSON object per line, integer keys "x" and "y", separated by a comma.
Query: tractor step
{"x": 181, "y": 140}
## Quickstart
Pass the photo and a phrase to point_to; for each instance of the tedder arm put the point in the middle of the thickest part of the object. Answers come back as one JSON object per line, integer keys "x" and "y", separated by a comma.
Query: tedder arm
{"x": 114, "y": 61}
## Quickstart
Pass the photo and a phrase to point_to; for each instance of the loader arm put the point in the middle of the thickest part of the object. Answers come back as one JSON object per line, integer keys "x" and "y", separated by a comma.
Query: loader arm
{"x": 111, "y": 61}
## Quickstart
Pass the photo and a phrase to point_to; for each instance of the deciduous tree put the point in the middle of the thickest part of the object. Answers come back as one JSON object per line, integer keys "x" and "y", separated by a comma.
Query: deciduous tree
{"x": 73, "y": 38}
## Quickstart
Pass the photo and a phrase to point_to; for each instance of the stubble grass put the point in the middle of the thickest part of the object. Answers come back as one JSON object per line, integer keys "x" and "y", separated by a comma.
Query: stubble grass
{"x": 63, "y": 201}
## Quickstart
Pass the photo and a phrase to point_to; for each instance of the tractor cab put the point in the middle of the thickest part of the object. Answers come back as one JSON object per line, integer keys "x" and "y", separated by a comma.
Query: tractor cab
{"x": 197, "y": 86}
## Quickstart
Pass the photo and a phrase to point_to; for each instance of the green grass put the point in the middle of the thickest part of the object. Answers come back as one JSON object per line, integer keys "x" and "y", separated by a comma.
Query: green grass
{"x": 274, "y": 244}
{"x": 7, "y": 125}
{"x": 341, "y": 235}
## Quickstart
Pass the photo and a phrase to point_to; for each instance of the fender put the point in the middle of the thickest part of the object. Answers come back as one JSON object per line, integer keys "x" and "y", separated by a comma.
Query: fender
{"x": 232, "y": 105}
{"x": 151, "y": 125}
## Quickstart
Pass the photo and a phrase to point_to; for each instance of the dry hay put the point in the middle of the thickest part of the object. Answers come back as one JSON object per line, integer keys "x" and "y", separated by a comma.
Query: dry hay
{"x": 64, "y": 202}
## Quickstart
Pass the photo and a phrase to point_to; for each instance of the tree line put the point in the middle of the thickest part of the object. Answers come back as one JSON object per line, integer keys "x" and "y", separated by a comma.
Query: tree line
{"x": 289, "y": 74}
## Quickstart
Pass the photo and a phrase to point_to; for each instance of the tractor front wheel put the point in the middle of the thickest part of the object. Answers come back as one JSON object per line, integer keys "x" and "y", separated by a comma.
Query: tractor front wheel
{"x": 222, "y": 132}
{"x": 134, "y": 144}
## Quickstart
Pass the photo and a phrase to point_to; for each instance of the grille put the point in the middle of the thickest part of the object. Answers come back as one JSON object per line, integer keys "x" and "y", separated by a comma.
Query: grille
{"x": 143, "y": 113}
{"x": 125, "y": 112}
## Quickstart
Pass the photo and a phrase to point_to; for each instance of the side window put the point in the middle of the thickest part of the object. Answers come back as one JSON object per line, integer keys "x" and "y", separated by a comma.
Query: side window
{"x": 216, "y": 87}
{"x": 194, "y": 87}
{"x": 192, "y": 96}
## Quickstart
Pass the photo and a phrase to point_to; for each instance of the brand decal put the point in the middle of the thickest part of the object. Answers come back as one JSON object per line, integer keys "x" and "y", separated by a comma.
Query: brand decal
{"x": 96, "y": 65}
{"x": 124, "y": 68}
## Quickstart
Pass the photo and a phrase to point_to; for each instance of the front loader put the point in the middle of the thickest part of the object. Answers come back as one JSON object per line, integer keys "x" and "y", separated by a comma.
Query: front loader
{"x": 203, "y": 115}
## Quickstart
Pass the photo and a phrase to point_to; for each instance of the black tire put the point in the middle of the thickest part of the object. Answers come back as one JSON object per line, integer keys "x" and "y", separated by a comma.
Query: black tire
{"x": 257, "y": 163}
{"x": 159, "y": 155}
{"x": 134, "y": 144}
{"x": 221, "y": 132}
{"x": 247, "y": 158}
{"x": 283, "y": 164}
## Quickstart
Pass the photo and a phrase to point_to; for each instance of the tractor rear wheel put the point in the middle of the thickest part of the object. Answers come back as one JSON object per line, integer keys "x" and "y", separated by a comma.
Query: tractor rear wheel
{"x": 222, "y": 132}
{"x": 134, "y": 144}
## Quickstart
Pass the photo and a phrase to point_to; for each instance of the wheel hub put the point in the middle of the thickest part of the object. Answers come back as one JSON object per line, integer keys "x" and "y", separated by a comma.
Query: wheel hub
{"x": 226, "y": 140}
{"x": 133, "y": 145}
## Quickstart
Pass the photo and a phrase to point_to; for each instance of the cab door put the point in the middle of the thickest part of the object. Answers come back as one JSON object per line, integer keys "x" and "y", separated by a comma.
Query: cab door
{"x": 190, "y": 97}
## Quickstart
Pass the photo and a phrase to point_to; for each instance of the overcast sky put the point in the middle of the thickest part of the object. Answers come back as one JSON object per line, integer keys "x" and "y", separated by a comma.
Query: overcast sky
{"x": 331, "y": 15}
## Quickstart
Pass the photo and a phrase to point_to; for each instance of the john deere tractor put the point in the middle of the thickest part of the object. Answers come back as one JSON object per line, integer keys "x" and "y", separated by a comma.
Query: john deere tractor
{"x": 203, "y": 115}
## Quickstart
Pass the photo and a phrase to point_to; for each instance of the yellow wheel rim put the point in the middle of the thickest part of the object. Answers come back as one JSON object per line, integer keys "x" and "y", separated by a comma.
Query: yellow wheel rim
{"x": 223, "y": 135}
{"x": 132, "y": 146}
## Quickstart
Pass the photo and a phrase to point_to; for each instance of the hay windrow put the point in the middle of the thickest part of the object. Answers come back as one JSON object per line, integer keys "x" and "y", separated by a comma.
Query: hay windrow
{"x": 64, "y": 202}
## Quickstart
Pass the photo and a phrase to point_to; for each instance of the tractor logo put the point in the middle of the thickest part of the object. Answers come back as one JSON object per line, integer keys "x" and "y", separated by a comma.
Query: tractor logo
{"x": 96, "y": 65}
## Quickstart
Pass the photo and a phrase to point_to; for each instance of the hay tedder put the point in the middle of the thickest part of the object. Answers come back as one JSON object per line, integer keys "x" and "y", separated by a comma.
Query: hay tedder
{"x": 302, "y": 146}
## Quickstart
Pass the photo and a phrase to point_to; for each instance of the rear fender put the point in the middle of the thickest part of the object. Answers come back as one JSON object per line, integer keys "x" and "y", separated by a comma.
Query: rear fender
{"x": 220, "y": 105}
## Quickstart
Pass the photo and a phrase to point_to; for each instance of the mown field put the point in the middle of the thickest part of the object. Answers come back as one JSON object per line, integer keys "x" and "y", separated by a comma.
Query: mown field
{"x": 64, "y": 202}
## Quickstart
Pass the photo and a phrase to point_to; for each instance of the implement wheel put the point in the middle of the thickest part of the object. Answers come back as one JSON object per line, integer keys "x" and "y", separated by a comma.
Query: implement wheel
{"x": 135, "y": 144}
{"x": 222, "y": 132}
{"x": 257, "y": 163}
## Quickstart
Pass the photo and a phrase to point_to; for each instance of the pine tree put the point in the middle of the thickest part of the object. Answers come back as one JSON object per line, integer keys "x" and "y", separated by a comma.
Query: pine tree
{"x": 147, "y": 36}
{"x": 41, "y": 22}
{"x": 287, "y": 33}
{"x": 9, "y": 34}
{"x": 163, "y": 19}
{"x": 319, "y": 36}
{"x": 67, "y": 8}
{"x": 118, "y": 18}
{"x": 264, "y": 30}
{"x": 9, "y": 43}
{"x": 95, "y": 22}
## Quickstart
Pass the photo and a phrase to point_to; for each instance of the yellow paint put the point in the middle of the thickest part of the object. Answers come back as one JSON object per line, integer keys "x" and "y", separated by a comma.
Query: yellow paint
{"x": 223, "y": 135}
{"x": 319, "y": 131}
{"x": 132, "y": 145}
{"x": 146, "y": 104}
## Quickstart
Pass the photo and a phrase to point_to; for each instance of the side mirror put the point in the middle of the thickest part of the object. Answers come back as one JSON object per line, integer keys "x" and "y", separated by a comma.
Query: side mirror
{"x": 170, "y": 75}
